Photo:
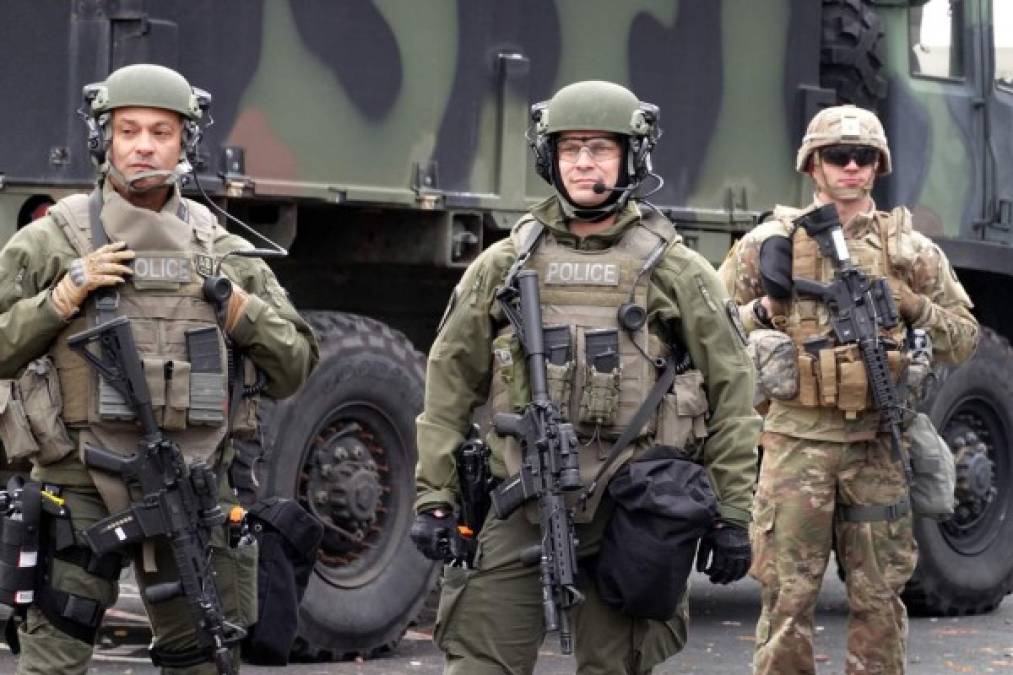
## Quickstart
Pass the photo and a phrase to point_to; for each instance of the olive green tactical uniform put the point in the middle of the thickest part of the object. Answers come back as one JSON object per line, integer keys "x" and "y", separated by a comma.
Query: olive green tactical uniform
{"x": 825, "y": 463}
{"x": 490, "y": 618}
{"x": 269, "y": 332}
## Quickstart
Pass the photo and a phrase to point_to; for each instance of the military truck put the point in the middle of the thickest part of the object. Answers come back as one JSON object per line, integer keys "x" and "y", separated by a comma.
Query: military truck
{"x": 383, "y": 144}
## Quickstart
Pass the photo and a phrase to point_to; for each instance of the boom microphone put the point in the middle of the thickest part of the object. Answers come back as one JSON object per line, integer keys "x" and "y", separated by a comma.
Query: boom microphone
{"x": 600, "y": 188}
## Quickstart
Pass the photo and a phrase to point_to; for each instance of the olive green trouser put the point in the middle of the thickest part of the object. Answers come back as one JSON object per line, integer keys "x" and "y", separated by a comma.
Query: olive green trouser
{"x": 490, "y": 618}
{"x": 45, "y": 650}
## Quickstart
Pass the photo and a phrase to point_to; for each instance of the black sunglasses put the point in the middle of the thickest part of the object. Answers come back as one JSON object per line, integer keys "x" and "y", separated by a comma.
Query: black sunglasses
{"x": 841, "y": 155}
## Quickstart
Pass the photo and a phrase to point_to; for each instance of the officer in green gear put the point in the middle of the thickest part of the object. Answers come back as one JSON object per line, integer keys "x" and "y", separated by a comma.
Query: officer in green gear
{"x": 596, "y": 248}
{"x": 137, "y": 235}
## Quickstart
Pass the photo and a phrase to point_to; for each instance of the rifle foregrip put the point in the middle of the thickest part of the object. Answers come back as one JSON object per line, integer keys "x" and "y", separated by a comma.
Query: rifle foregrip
{"x": 507, "y": 424}
{"x": 97, "y": 458}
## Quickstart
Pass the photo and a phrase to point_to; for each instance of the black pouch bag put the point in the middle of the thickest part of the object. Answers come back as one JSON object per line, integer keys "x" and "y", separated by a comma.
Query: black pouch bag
{"x": 663, "y": 505}
{"x": 288, "y": 538}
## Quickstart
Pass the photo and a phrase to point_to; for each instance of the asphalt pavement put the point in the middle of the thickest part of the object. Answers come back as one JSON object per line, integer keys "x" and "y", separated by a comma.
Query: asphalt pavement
{"x": 720, "y": 642}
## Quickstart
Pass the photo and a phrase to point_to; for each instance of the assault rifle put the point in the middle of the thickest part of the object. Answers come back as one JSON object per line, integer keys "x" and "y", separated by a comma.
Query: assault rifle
{"x": 178, "y": 501}
{"x": 858, "y": 308}
{"x": 549, "y": 464}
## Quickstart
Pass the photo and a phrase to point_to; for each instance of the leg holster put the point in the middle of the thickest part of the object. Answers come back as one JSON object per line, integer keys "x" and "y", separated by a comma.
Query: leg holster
{"x": 77, "y": 616}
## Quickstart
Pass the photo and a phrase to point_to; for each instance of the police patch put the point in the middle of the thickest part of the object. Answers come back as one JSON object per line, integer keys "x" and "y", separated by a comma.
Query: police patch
{"x": 582, "y": 273}
{"x": 158, "y": 268}
{"x": 204, "y": 264}
{"x": 733, "y": 315}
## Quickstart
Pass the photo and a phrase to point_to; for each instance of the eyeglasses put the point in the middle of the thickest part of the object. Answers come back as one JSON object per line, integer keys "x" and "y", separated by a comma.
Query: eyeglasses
{"x": 601, "y": 149}
{"x": 841, "y": 155}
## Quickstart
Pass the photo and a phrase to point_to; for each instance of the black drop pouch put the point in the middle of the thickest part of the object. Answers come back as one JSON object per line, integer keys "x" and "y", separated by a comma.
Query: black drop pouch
{"x": 663, "y": 505}
{"x": 557, "y": 344}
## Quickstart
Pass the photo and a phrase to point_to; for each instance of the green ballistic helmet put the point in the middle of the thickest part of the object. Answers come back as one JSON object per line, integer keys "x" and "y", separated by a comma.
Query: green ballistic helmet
{"x": 144, "y": 85}
{"x": 594, "y": 105}
{"x": 844, "y": 125}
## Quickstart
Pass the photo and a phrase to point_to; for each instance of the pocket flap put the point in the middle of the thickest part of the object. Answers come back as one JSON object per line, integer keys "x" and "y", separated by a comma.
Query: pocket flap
{"x": 690, "y": 398}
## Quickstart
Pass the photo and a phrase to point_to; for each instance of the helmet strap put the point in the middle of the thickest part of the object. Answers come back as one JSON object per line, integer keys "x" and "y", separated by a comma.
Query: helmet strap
{"x": 169, "y": 177}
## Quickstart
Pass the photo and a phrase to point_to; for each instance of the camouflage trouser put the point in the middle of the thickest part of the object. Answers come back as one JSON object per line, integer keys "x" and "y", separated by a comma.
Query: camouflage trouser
{"x": 48, "y": 651}
{"x": 801, "y": 482}
{"x": 490, "y": 618}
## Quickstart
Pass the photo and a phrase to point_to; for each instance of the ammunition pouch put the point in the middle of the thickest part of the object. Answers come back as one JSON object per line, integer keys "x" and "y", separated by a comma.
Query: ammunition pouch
{"x": 682, "y": 418}
{"x": 662, "y": 506}
{"x": 835, "y": 377}
{"x": 31, "y": 424}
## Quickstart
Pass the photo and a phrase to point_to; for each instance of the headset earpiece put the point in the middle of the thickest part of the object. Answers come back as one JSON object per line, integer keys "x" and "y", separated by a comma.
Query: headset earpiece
{"x": 541, "y": 144}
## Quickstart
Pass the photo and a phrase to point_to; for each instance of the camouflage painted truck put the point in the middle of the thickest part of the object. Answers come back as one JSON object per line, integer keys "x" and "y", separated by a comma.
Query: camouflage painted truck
{"x": 383, "y": 144}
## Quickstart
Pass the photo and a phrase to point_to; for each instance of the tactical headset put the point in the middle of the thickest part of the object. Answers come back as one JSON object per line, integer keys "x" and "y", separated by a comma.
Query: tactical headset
{"x": 639, "y": 142}
{"x": 100, "y": 132}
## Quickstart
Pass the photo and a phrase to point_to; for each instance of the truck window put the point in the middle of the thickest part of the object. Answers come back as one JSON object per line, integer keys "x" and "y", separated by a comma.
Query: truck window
{"x": 1002, "y": 35}
{"x": 935, "y": 31}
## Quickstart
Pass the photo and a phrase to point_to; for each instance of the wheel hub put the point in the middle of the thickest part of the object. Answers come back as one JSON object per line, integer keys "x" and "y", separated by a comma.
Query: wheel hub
{"x": 345, "y": 486}
{"x": 975, "y": 477}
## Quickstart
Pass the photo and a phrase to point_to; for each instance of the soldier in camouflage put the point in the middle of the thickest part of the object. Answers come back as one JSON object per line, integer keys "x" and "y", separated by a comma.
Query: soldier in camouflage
{"x": 144, "y": 124}
{"x": 592, "y": 143}
{"x": 827, "y": 467}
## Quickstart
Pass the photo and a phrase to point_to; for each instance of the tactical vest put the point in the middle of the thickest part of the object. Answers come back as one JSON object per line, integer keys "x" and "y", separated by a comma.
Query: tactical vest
{"x": 175, "y": 329}
{"x": 598, "y": 373}
{"x": 834, "y": 376}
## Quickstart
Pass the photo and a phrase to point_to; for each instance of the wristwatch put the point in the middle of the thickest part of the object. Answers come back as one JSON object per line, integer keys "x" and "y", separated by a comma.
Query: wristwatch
{"x": 761, "y": 314}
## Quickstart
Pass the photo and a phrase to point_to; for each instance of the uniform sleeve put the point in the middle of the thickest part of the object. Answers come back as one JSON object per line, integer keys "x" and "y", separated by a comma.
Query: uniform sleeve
{"x": 739, "y": 274}
{"x": 457, "y": 376}
{"x": 946, "y": 315}
{"x": 270, "y": 331}
{"x": 30, "y": 263}
{"x": 698, "y": 315}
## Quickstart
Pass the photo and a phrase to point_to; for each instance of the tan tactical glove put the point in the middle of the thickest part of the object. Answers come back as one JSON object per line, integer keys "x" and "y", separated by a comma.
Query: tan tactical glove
{"x": 102, "y": 267}
{"x": 237, "y": 305}
{"x": 909, "y": 303}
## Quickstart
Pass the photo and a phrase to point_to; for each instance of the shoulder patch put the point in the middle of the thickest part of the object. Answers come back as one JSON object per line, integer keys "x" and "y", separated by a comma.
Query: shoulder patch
{"x": 733, "y": 315}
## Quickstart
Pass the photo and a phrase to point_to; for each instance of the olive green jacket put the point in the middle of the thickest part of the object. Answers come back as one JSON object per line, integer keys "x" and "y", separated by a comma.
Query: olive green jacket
{"x": 686, "y": 301}
{"x": 270, "y": 331}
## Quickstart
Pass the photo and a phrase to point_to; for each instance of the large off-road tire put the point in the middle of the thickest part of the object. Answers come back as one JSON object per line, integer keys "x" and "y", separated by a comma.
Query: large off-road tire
{"x": 344, "y": 446}
{"x": 965, "y": 565}
{"x": 851, "y": 53}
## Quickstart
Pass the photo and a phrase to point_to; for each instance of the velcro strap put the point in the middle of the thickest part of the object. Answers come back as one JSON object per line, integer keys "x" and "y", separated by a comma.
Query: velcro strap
{"x": 77, "y": 616}
{"x": 107, "y": 567}
{"x": 855, "y": 513}
{"x": 166, "y": 659}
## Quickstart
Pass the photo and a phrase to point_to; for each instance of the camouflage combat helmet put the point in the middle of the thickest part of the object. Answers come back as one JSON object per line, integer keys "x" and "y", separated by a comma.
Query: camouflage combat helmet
{"x": 144, "y": 85}
{"x": 595, "y": 105}
{"x": 844, "y": 124}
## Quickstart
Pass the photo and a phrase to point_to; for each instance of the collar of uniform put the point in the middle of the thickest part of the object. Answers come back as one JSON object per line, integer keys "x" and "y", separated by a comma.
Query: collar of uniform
{"x": 550, "y": 214}
{"x": 171, "y": 205}
{"x": 859, "y": 224}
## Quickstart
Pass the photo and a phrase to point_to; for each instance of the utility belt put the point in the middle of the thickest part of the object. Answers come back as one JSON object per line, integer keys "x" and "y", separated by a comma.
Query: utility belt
{"x": 835, "y": 376}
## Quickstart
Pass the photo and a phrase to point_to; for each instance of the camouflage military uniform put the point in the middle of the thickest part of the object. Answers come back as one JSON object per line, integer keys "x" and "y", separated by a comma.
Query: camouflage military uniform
{"x": 490, "y": 618}
{"x": 818, "y": 459}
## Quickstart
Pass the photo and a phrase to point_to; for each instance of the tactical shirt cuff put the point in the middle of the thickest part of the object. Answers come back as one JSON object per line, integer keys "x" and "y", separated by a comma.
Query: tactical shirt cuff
{"x": 434, "y": 498}
{"x": 734, "y": 515}
{"x": 245, "y": 330}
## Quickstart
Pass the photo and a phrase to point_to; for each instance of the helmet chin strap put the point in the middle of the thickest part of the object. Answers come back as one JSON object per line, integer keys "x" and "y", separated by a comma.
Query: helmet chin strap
{"x": 839, "y": 193}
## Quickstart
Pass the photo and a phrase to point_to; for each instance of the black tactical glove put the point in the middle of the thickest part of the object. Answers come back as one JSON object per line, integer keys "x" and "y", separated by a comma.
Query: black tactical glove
{"x": 434, "y": 532}
{"x": 775, "y": 267}
{"x": 726, "y": 549}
